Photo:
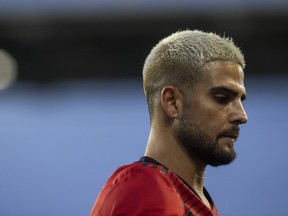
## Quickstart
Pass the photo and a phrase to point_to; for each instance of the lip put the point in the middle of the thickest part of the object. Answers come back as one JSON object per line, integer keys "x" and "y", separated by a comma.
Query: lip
{"x": 229, "y": 140}
{"x": 230, "y": 137}
{"x": 231, "y": 133}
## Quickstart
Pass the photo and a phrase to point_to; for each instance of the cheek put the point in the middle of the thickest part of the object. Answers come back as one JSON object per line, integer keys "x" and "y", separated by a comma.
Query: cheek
{"x": 210, "y": 119}
{"x": 205, "y": 111}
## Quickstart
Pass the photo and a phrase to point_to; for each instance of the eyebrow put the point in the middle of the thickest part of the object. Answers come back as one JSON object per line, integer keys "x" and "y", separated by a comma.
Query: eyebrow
{"x": 222, "y": 89}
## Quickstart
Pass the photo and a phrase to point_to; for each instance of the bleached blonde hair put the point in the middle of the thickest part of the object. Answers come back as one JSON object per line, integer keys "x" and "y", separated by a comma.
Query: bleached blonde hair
{"x": 178, "y": 59}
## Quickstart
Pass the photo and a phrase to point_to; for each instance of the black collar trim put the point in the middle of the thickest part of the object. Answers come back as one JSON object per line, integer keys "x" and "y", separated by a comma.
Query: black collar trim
{"x": 152, "y": 161}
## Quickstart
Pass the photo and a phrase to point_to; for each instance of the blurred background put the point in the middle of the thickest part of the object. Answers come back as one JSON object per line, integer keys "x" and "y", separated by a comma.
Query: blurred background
{"x": 72, "y": 108}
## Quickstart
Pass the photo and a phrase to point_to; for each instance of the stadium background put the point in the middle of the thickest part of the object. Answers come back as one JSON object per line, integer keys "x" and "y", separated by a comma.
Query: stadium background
{"x": 77, "y": 111}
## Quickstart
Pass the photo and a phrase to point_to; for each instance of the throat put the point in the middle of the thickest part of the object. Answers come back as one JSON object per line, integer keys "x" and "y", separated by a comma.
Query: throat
{"x": 205, "y": 200}
{"x": 197, "y": 184}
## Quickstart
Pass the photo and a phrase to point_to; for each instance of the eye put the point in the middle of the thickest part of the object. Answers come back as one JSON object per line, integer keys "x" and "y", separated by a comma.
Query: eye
{"x": 222, "y": 98}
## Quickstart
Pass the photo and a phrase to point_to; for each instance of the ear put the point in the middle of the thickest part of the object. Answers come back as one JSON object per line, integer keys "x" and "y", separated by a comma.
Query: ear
{"x": 171, "y": 101}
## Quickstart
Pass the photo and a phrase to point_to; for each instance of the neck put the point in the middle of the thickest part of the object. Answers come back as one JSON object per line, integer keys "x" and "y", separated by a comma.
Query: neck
{"x": 163, "y": 146}
{"x": 192, "y": 170}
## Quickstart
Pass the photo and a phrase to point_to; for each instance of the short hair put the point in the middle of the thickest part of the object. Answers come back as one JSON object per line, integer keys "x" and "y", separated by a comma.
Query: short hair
{"x": 178, "y": 60}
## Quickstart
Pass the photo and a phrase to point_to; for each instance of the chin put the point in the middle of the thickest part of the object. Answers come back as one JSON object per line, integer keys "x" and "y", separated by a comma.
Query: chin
{"x": 223, "y": 156}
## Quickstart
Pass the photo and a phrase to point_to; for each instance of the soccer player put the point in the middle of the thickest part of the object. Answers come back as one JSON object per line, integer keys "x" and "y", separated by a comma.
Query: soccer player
{"x": 194, "y": 85}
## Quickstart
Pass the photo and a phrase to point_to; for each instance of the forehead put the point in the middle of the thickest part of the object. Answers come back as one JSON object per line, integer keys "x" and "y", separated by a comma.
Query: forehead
{"x": 224, "y": 74}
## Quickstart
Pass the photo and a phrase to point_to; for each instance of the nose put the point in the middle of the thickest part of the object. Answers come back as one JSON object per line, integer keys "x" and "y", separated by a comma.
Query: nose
{"x": 239, "y": 115}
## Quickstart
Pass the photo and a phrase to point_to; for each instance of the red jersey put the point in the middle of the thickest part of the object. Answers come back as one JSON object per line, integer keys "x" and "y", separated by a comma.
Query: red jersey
{"x": 149, "y": 189}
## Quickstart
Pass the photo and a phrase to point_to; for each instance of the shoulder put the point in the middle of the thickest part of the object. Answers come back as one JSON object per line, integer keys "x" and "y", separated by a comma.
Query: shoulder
{"x": 149, "y": 187}
{"x": 138, "y": 172}
{"x": 141, "y": 178}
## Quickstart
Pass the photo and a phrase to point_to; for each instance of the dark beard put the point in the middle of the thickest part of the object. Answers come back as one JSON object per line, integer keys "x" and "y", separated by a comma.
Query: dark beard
{"x": 197, "y": 143}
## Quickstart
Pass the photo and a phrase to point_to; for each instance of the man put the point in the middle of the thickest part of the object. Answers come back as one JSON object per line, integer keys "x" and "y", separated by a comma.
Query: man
{"x": 194, "y": 85}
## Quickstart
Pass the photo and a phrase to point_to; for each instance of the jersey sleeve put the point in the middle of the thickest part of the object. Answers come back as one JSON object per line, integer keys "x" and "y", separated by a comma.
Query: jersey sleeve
{"x": 139, "y": 191}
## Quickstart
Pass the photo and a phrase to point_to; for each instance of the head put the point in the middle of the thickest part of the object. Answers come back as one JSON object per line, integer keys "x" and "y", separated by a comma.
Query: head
{"x": 199, "y": 71}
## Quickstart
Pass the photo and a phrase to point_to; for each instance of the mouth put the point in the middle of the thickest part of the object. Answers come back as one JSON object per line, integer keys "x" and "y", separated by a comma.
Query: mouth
{"x": 232, "y": 133}
{"x": 234, "y": 137}
{"x": 229, "y": 140}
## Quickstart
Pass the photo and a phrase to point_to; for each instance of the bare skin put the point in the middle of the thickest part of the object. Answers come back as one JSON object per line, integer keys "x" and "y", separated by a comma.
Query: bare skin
{"x": 215, "y": 104}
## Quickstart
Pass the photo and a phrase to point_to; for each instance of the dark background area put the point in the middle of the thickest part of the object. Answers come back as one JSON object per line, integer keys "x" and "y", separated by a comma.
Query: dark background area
{"x": 58, "y": 48}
